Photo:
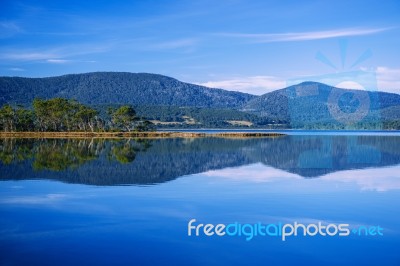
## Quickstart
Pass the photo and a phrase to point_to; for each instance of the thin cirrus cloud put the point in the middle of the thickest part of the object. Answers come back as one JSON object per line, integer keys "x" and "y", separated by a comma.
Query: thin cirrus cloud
{"x": 28, "y": 56}
{"x": 367, "y": 179}
{"x": 364, "y": 179}
{"x": 388, "y": 79}
{"x": 56, "y": 55}
{"x": 58, "y": 61}
{"x": 8, "y": 29}
{"x": 17, "y": 69}
{"x": 43, "y": 199}
{"x": 257, "y": 85}
{"x": 257, "y": 173}
{"x": 304, "y": 36}
{"x": 185, "y": 43}
{"x": 51, "y": 58}
{"x": 65, "y": 61}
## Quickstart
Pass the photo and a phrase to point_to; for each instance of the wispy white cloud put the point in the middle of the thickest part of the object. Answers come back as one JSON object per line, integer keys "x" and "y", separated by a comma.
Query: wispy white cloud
{"x": 257, "y": 173}
{"x": 9, "y": 28}
{"x": 45, "y": 199}
{"x": 255, "y": 85}
{"x": 377, "y": 179}
{"x": 371, "y": 179}
{"x": 186, "y": 43}
{"x": 349, "y": 85}
{"x": 58, "y": 61}
{"x": 388, "y": 79}
{"x": 383, "y": 79}
{"x": 59, "y": 54}
{"x": 17, "y": 69}
{"x": 28, "y": 56}
{"x": 304, "y": 36}
{"x": 174, "y": 44}
{"x": 66, "y": 61}
{"x": 9, "y": 25}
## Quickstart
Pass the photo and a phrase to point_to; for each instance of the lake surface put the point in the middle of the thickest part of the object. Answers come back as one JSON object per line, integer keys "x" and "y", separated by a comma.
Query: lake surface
{"x": 296, "y": 132}
{"x": 118, "y": 202}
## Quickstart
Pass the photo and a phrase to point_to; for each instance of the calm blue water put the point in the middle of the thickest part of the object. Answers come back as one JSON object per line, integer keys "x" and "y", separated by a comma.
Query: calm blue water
{"x": 296, "y": 132}
{"x": 95, "y": 202}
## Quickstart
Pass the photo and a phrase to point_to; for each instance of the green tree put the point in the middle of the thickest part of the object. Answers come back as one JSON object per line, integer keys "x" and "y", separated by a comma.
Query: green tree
{"x": 54, "y": 114}
{"x": 123, "y": 118}
{"x": 144, "y": 125}
{"x": 86, "y": 118}
{"x": 25, "y": 120}
{"x": 7, "y": 118}
{"x": 60, "y": 114}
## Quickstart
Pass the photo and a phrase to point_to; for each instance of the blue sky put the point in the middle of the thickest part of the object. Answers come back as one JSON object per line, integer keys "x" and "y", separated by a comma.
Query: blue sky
{"x": 250, "y": 46}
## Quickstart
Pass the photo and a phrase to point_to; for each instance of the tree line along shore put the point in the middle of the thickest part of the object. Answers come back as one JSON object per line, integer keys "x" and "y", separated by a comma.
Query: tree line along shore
{"x": 64, "y": 118}
{"x": 64, "y": 115}
{"x": 143, "y": 134}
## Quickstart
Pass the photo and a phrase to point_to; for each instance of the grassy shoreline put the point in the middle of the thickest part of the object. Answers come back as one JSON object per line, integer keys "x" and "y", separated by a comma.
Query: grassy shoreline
{"x": 113, "y": 135}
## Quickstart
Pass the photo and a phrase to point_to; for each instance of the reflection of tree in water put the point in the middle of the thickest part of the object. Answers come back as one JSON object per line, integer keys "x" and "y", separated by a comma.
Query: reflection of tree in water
{"x": 124, "y": 151}
{"x": 62, "y": 154}
{"x": 125, "y": 161}
{"x": 15, "y": 150}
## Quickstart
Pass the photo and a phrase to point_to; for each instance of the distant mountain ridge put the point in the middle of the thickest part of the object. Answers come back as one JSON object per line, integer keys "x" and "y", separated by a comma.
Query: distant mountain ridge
{"x": 161, "y": 98}
{"x": 118, "y": 88}
{"x": 128, "y": 162}
{"x": 313, "y": 102}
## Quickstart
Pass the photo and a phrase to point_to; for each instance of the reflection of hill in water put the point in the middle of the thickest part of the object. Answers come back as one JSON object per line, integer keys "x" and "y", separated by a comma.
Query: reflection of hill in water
{"x": 313, "y": 156}
{"x": 100, "y": 162}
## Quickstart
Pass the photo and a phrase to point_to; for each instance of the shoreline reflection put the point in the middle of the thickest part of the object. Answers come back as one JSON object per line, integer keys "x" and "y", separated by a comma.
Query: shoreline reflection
{"x": 145, "y": 162}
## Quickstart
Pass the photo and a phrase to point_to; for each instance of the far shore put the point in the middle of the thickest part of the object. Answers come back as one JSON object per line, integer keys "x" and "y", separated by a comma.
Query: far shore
{"x": 150, "y": 135}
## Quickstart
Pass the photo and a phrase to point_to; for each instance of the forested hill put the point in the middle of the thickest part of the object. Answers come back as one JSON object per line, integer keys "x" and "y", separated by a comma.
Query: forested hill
{"x": 172, "y": 103}
{"x": 118, "y": 88}
{"x": 313, "y": 103}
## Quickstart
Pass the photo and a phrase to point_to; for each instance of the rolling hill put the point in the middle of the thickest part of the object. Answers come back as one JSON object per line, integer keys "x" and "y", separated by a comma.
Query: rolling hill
{"x": 118, "y": 88}
{"x": 100, "y": 162}
{"x": 173, "y": 103}
{"x": 311, "y": 103}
